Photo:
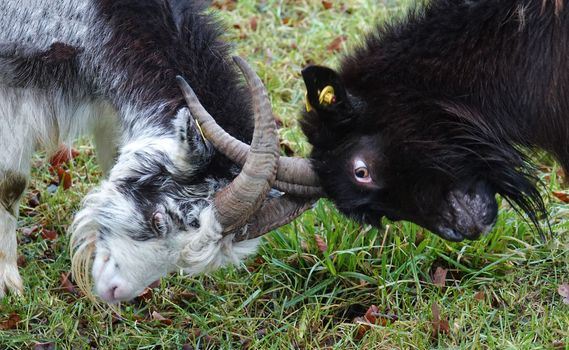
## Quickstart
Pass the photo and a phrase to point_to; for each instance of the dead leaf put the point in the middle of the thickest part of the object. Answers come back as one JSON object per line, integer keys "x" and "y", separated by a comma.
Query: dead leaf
{"x": 253, "y": 24}
{"x": 363, "y": 327}
{"x": 157, "y": 317}
{"x": 66, "y": 180}
{"x": 34, "y": 200}
{"x": 44, "y": 346}
{"x": 31, "y": 233}
{"x": 146, "y": 294}
{"x": 563, "y": 290}
{"x": 322, "y": 246}
{"x": 440, "y": 276}
{"x": 226, "y": 5}
{"x": 49, "y": 235}
{"x": 372, "y": 317}
{"x": 336, "y": 44}
{"x": 256, "y": 264}
{"x": 439, "y": 326}
{"x": 558, "y": 345}
{"x": 63, "y": 176}
{"x": 479, "y": 296}
{"x": 66, "y": 283}
{"x": 11, "y": 322}
{"x": 185, "y": 296}
{"x": 21, "y": 261}
{"x": 63, "y": 156}
{"x": 564, "y": 197}
{"x": 327, "y": 4}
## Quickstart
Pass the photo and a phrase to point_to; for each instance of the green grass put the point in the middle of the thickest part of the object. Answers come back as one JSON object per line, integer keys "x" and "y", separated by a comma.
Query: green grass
{"x": 501, "y": 291}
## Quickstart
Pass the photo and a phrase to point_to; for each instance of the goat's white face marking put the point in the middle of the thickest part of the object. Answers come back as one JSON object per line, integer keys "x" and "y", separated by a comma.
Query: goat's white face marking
{"x": 154, "y": 216}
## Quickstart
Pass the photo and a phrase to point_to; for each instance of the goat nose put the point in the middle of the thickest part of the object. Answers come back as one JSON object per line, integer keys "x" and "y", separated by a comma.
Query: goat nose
{"x": 110, "y": 294}
{"x": 113, "y": 291}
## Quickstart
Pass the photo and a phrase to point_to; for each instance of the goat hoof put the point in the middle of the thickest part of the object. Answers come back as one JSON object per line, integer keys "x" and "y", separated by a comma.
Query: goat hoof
{"x": 10, "y": 280}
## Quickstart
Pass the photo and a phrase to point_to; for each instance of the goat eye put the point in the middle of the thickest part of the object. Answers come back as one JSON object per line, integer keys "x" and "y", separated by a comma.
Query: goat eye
{"x": 159, "y": 223}
{"x": 361, "y": 171}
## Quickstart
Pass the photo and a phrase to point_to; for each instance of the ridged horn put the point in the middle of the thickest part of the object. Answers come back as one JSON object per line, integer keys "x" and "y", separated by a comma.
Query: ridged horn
{"x": 244, "y": 195}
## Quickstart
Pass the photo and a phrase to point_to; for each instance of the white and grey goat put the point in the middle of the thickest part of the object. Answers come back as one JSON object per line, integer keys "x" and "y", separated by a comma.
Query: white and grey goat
{"x": 170, "y": 201}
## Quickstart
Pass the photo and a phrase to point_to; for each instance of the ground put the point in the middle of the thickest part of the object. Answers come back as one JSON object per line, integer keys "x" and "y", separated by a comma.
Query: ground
{"x": 313, "y": 281}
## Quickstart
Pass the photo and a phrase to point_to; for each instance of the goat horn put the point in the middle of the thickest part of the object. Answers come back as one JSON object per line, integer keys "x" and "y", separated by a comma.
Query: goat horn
{"x": 275, "y": 212}
{"x": 245, "y": 194}
{"x": 294, "y": 175}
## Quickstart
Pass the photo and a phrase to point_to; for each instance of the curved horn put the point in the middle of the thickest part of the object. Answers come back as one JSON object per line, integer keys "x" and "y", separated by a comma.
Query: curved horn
{"x": 294, "y": 175}
{"x": 243, "y": 196}
{"x": 274, "y": 213}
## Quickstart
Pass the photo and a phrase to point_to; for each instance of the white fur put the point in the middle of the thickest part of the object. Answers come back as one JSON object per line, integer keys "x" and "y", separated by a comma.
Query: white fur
{"x": 9, "y": 276}
{"x": 32, "y": 117}
{"x": 123, "y": 267}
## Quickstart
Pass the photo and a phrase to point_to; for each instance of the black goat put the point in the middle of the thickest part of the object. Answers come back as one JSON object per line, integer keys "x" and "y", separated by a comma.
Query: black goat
{"x": 430, "y": 117}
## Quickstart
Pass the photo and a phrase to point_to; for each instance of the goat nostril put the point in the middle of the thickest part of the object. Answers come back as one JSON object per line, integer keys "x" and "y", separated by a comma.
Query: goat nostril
{"x": 114, "y": 291}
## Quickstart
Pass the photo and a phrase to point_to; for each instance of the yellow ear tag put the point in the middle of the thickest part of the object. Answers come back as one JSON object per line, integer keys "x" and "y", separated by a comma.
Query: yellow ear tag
{"x": 327, "y": 96}
{"x": 307, "y": 103}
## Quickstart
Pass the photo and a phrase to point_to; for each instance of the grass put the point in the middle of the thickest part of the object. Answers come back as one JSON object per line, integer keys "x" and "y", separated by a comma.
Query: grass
{"x": 500, "y": 293}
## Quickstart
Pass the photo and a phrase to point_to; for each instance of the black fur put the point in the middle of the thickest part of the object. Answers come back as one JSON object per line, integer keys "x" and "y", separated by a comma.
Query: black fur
{"x": 442, "y": 105}
{"x": 154, "y": 41}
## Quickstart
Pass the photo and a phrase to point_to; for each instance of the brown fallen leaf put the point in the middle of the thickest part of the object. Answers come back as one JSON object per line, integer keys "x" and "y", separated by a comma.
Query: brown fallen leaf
{"x": 479, "y": 296}
{"x": 253, "y": 23}
{"x": 320, "y": 243}
{"x": 336, "y": 44}
{"x": 371, "y": 317}
{"x": 11, "y": 322}
{"x": 31, "y": 232}
{"x": 563, "y": 290}
{"x": 66, "y": 283}
{"x": 49, "y": 235}
{"x": 63, "y": 156}
{"x": 562, "y": 196}
{"x": 34, "y": 200}
{"x": 226, "y": 5}
{"x": 66, "y": 180}
{"x": 327, "y": 4}
{"x": 157, "y": 317}
{"x": 254, "y": 266}
{"x": 440, "y": 277}
{"x": 439, "y": 326}
{"x": 146, "y": 294}
{"x": 44, "y": 346}
{"x": 22, "y": 261}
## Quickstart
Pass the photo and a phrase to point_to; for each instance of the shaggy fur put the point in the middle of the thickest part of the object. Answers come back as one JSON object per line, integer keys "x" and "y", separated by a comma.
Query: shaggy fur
{"x": 108, "y": 67}
{"x": 441, "y": 106}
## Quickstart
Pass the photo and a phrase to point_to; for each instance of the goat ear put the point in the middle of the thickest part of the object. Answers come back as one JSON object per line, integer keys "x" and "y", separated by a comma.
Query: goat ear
{"x": 195, "y": 149}
{"x": 324, "y": 89}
